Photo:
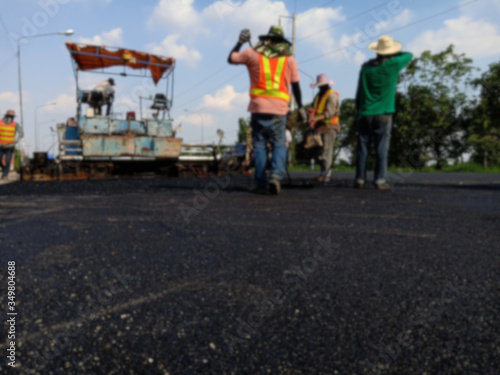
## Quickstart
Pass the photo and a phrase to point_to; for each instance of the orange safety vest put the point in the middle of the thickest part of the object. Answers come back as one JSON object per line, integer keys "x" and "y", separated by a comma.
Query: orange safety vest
{"x": 7, "y": 133}
{"x": 272, "y": 79}
{"x": 319, "y": 107}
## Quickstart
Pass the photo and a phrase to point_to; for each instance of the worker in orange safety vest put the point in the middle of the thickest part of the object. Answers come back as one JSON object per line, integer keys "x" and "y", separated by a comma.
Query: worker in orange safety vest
{"x": 324, "y": 121}
{"x": 8, "y": 130}
{"x": 272, "y": 69}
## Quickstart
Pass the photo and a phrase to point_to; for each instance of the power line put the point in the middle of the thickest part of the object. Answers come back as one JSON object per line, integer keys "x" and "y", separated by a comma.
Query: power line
{"x": 339, "y": 23}
{"x": 4, "y": 26}
{"x": 393, "y": 30}
{"x": 202, "y": 81}
{"x": 322, "y": 6}
{"x": 328, "y": 3}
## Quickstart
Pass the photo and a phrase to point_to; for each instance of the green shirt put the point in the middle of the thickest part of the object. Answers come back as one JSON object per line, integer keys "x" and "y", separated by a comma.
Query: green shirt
{"x": 376, "y": 92}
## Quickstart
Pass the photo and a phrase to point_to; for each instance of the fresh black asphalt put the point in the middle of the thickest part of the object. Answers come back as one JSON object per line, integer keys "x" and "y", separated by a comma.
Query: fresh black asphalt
{"x": 197, "y": 276}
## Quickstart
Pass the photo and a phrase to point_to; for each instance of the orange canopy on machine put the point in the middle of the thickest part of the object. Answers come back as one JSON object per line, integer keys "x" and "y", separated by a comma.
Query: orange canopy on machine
{"x": 88, "y": 57}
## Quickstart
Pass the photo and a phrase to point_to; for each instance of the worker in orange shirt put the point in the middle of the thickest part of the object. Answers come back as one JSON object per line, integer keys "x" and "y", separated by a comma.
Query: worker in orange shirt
{"x": 272, "y": 69}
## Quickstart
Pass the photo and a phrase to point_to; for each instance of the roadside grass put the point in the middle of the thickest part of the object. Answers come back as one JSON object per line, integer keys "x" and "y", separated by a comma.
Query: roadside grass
{"x": 460, "y": 168}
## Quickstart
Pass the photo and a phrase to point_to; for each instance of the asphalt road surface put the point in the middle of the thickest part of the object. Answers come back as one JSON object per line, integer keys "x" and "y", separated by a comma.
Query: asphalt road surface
{"x": 197, "y": 276}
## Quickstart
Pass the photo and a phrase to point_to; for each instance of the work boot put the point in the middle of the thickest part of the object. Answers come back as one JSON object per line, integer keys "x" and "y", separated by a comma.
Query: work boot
{"x": 359, "y": 185}
{"x": 383, "y": 186}
{"x": 323, "y": 179}
{"x": 274, "y": 186}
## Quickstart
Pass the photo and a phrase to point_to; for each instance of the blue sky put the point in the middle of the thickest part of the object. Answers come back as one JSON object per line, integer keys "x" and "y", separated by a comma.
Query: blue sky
{"x": 332, "y": 38}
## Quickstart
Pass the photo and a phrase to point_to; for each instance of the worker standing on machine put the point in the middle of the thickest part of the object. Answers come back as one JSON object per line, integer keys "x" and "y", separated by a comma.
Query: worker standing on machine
{"x": 108, "y": 93}
{"x": 272, "y": 69}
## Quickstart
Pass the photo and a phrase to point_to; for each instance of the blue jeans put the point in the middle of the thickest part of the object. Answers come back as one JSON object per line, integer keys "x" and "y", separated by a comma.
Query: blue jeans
{"x": 7, "y": 151}
{"x": 269, "y": 129}
{"x": 379, "y": 128}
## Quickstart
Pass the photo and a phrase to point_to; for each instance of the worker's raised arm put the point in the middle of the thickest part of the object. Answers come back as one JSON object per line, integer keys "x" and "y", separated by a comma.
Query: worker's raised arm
{"x": 244, "y": 37}
{"x": 236, "y": 48}
{"x": 297, "y": 93}
{"x": 403, "y": 59}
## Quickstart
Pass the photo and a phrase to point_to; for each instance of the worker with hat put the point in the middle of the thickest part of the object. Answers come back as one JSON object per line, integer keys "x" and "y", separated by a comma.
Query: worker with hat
{"x": 324, "y": 122}
{"x": 8, "y": 131}
{"x": 272, "y": 69}
{"x": 375, "y": 103}
{"x": 108, "y": 93}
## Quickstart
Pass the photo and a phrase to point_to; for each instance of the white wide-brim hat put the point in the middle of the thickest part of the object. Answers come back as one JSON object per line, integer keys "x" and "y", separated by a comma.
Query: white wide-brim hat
{"x": 385, "y": 46}
{"x": 321, "y": 80}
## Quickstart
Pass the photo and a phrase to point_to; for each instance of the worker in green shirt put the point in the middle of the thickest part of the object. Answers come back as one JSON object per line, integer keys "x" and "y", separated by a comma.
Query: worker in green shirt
{"x": 375, "y": 103}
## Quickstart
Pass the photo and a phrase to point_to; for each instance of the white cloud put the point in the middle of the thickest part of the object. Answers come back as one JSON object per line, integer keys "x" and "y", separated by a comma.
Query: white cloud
{"x": 228, "y": 17}
{"x": 64, "y": 103}
{"x": 225, "y": 99}
{"x": 475, "y": 38}
{"x": 353, "y": 45}
{"x": 178, "y": 15}
{"x": 313, "y": 27}
{"x": 10, "y": 100}
{"x": 350, "y": 48}
{"x": 86, "y": 81}
{"x": 9, "y": 97}
{"x": 108, "y": 38}
{"x": 169, "y": 47}
{"x": 218, "y": 111}
{"x": 404, "y": 18}
{"x": 399, "y": 20}
{"x": 123, "y": 104}
{"x": 359, "y": 58}
{"x": 197, "y": 119}
{"x": 483, "y": 8}
{"x": 256, "y": 15}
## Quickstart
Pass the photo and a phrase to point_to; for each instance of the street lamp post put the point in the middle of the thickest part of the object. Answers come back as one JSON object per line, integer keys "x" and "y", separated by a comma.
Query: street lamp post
{"x": 67, "y": 33}
{"x": 36, "y": 124}
{"x": 202, "y": 121}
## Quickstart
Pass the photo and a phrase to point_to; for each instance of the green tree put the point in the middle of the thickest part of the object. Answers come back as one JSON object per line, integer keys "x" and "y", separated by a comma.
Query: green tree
{"x": 429, "y": 119}
{"x": 348, "y": 130}
{"x": 243, "y": 127}
{"x": 484, "y": 118}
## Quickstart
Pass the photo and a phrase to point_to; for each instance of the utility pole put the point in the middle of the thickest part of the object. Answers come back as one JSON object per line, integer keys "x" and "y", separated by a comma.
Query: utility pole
{"x": 294, "y": 19}
{"x": 292, "y": 104}
{"x": 292, "y": 101}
